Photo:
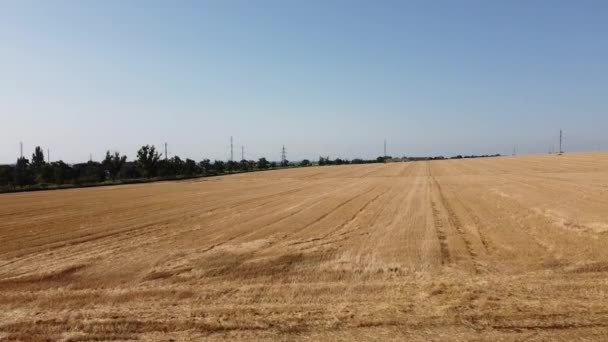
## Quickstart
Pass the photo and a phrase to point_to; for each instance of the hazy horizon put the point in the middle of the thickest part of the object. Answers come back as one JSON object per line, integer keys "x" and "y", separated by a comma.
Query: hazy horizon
{"x": 322, "y": 78}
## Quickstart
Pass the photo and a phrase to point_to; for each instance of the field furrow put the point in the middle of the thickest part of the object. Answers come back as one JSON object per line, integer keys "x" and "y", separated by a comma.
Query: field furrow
{"x": 507, "y": 248}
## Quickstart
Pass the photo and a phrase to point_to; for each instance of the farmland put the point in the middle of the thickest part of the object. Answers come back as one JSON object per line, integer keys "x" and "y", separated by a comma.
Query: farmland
{"x": 507, "y": 248}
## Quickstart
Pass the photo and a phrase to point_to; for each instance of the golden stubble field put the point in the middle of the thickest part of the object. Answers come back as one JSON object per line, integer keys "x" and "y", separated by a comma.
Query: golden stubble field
{"x": 509, "y": 248}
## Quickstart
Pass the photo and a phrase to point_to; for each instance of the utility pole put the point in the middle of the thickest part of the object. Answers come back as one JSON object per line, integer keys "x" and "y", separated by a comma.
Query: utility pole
{"x": 283, "y": 156}
{"x": 48, "y": 155}
{"x": 21, "y": 149}
{"x": 242, "y": 152}
{"x": 385, "y": 148}
{"x": 166, "y": 156}
{"x": 560, "y": 141}
{"x": 91, "y": 157}
{"x": 231, "y": 150}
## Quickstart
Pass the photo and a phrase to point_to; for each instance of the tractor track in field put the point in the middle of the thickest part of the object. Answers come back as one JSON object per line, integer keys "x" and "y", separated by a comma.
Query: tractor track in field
{"x": 334, "y": 231}
{"x": 456, "y": 224}
{"x": 505, "y": 248}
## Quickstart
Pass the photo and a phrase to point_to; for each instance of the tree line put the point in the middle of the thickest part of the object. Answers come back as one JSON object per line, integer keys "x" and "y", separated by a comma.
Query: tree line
{"x": 115, "y": 167}
{"x": 149, "y": 164}
{"x": 37, "y": 173}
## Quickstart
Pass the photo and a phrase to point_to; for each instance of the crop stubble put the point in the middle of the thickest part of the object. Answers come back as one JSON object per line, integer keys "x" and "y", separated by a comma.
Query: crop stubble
{"x": 505, "y": 248}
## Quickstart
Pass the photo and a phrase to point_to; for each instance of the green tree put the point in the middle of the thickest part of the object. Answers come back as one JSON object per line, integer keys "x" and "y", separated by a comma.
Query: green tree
{"x": 88, "y": 173}
{"x": 129, "y": 171}
{"x": 147, "y": 160}
{"x": 37, "y": 158}
{"x": 244, "y": 165}
{"x": 305, "y": 162}
{"x": 205, "y": 166}
{"x": 170, "y": 167}
{"x": 113, "y": 163}
{"x": 263, "y": 164}
{"x": 6, "y": 175}
{"x": 219, "y": 166}
{"x": 231, "y": 166}
{"x": 46, "y": 174}
{"x": 62, "y": 172}
{"x": 23, "y": 173}
{"x": 382, "y": 159}
{"x": 37, "y": 165}
{"x": 190, "y": 168}
{"x": 177, "y": 166}
{"x": 164, "y": 168}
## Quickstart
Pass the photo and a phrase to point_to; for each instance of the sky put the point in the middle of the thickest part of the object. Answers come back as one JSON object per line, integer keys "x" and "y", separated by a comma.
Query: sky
{"x": 331, "y": 78}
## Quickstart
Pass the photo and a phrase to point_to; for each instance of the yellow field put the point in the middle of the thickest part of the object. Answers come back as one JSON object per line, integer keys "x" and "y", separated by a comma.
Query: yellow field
{"x": 507, "y": 248}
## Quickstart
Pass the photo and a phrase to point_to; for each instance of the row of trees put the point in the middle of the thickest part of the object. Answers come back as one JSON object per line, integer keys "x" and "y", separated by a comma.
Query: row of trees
{"x": 148, "y": 164}
{"x": 339, "y": 161}
{"x": 475, "y": 156}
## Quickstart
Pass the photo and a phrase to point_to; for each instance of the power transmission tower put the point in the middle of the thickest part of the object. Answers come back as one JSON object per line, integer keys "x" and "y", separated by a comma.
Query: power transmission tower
{"x": 166, "y": 156}
{"x": 560, "y": 141}
{"x": 21, "y": 149}
{"x": 385, "y": 148}
{"x": 283, "y": 156}
{"x": 231, "y": 150}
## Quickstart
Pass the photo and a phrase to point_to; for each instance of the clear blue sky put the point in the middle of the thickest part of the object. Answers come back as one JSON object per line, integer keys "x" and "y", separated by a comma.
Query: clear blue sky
{"x": 322, "y": 77}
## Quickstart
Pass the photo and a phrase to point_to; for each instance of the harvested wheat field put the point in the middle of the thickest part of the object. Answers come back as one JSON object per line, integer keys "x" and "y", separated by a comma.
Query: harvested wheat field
{"x": 509, "y": 248}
